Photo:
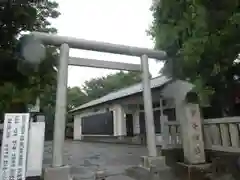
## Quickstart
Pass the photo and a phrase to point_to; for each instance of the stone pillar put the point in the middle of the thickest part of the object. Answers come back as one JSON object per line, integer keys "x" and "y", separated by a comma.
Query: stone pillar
{"x": 136, "y": 124}
{"x": 148, "y": 109}
{"x": 59, "y": 171}
{"x": 77, "y": 128}
{"x": 191, "y": 132}
{"x": 119, "y": 121}
{"x": 164, "y": 131}
{"x": 115, "y": 122}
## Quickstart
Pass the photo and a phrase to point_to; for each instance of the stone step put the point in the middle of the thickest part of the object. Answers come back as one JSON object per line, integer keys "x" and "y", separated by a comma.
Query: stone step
{"x": 138, "y": 173}
{"x": 153, "y": 173}
{"x": 110, "y": 177}
{"x": 158, "y": 161}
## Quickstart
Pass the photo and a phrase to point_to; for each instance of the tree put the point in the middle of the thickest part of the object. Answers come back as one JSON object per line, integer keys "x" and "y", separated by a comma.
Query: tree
{"x": 201, "y": 39}
{"x": 76, "y": 97}
{"x": 98, "y": 87}
{"x": 14, "y": 81}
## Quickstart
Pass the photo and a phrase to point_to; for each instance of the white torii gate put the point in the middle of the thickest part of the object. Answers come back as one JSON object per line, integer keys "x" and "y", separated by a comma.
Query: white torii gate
{"x": 58, "y": 171}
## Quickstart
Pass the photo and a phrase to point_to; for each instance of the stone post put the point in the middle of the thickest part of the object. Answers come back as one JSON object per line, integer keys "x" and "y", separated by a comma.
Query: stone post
{"x": 164, "y": 131}
{"x": 191, "y": 132}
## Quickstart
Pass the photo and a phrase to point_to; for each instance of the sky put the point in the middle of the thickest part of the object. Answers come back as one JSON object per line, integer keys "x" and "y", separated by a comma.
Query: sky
{"x": 114, "y": 21}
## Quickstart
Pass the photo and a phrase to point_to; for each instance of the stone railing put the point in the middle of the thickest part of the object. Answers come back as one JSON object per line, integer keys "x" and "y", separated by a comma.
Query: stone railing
{"x": 171, "y": 134}
{"x": 221, "y": 134}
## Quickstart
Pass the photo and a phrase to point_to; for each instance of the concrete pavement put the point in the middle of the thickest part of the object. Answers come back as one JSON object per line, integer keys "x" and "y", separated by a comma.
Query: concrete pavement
{"x": 85, "y": 158}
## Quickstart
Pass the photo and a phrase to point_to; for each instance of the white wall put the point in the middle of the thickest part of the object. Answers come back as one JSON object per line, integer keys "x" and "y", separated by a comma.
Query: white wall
{"x": 119, "y": 120}
{"x": 136, "y": 124}
{"x": 158, "y": 139}
{"x": 134, "y": 110}
{"x": 77, "y": 131}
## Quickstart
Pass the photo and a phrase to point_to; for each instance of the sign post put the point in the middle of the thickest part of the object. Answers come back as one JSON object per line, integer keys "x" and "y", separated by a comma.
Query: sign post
{"x": 14, "y": 146}
{"x": 192, "y": 135}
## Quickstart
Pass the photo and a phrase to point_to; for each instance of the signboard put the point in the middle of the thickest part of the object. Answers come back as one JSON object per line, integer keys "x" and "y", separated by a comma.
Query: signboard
{"x": 35, "y": 149}
{"x": 14, "y": 146}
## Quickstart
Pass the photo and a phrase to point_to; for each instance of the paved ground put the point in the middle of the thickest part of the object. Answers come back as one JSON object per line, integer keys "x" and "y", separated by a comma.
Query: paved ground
{"x": 86, "y": 158}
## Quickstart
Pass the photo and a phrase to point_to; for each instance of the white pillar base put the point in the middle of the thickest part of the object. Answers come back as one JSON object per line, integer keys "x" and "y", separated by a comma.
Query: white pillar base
{"x": 120, "y": 138}
{"x": 57, "y": 173}
{"x": 147, "y": 161}
{"x": 151, "y": 168}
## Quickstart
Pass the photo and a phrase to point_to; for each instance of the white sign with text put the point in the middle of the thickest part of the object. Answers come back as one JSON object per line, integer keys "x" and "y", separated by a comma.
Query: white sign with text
{"x": 14, "y": 146}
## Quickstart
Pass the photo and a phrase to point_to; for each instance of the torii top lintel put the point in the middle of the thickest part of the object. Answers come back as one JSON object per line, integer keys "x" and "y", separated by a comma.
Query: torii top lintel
{"x": 57, "y": 40}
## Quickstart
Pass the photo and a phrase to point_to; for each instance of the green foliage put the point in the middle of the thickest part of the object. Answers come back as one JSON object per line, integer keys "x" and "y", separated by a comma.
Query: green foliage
{"x": 19, "y": 82}
{"x": 76, "y": 97}
{"x": 201, "y": 39}
{"x": 9, "y": 95}
{"x": 98, "y": 87}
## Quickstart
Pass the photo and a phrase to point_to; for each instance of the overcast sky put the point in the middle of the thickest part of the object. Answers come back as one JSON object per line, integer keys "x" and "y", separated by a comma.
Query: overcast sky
{"x": 114, "y": 21}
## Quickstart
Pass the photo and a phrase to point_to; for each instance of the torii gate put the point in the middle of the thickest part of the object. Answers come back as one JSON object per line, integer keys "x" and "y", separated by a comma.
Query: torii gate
{"x": 58, "y": 170}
